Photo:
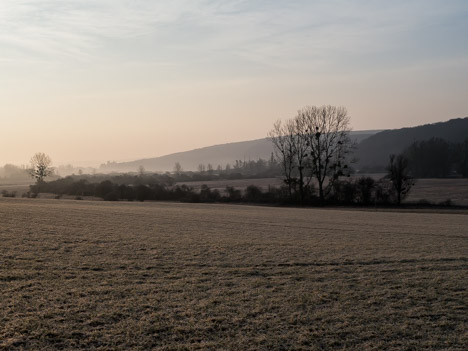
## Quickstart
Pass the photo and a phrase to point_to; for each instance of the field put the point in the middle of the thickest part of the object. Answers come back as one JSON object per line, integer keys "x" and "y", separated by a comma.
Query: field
{"x": 165, "y": 276}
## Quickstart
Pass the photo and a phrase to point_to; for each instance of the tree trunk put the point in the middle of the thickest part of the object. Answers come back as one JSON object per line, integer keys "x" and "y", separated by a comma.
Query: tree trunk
{"x": 321, "y": 194}
{"x": 301, "y": 185}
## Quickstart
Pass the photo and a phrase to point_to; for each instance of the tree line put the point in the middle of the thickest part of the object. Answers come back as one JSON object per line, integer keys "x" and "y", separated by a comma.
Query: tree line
{"x": 364, "y": 191}
{"x": 313, "y": 153}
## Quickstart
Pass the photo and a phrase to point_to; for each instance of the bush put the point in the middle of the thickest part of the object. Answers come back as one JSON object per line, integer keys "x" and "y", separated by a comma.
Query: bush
{"x": 143, "y": 193}
{"x": 232, "y": 194}
{"x": 6, "y": 193}
{"x": 446, "y": 203}
{"x": 112, "y": 196}
{"x": 365, "y": 187}
{"x": 208, "y": 195}
{"x": 253, "y": 194}
{"x": 384, "y": 193}
{"x": 344, "y": 192}
{"x": 423, "y": 202}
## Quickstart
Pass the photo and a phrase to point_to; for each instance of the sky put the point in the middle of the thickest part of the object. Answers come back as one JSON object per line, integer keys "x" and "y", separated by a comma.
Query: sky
{"x": 90, "y": 81}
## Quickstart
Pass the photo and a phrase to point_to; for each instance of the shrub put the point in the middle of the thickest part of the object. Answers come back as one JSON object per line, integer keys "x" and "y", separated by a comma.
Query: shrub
{"x": 447, "y": 203}
{"x": 143, "y": 193}
{"x": 253, "y": 194}
{"x": 112, "y": 196}
{"x": 232, "y": 194}
{"x": 423, "y": 202}
{"x": 365, "y": 187}
{"x": 6, "y": 193}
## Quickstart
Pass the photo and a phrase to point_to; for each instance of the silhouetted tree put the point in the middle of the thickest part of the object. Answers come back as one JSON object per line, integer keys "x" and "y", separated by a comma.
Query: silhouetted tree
{"x": 40, "y": 166}
{"x": 253, "y": 193}
{"x": 327, "y": 130}
{"x": 398, "y": 173}
{"x": 284, "y": 151}
{"x": 233, "y": 194}
{"x": 298, "y": 134}
{"x": 364, "y": 189}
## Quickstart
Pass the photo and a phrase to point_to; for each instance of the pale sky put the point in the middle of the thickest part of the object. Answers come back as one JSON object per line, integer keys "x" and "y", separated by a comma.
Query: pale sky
{"x": 87, "y": 81}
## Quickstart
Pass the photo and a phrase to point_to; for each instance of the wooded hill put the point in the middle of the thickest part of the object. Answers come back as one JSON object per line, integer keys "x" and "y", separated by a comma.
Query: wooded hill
{"x": 373, "y": 152}
{"x": 215, "y": 155}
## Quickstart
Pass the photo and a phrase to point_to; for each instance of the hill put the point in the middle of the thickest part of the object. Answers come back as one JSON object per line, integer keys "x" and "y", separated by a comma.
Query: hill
{"x": 373, "y": 152}
{"x": 216, "y": 155}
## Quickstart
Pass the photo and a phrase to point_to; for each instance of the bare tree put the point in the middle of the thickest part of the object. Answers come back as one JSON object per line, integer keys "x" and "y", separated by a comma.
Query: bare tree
{"x": 284, "y": 152}
{"x": 40, "y": 166}
{"x": 398, "y": 173}
{"x": 315, "y": 144}
{"x": 298, "y": 134}
{"x": 327, "y": 133}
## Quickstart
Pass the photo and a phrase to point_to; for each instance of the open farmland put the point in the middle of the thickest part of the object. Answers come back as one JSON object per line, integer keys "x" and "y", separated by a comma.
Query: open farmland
{"x": 164, "y": 276}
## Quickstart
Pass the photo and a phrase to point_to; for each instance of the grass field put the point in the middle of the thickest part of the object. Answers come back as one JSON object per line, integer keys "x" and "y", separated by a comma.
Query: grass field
{"x": 162, "y": 276}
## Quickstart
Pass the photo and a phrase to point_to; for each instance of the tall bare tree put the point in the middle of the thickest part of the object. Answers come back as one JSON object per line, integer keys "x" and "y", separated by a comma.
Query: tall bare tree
{"x": 313, "y": 145}
{"x": 284, "y": 152}
{"x": 327, "y": 133}
{"x": 40, "y": 166}
{"x": 297, "y": 133}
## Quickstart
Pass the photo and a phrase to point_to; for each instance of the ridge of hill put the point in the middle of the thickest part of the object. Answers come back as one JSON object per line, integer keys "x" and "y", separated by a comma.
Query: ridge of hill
{"x": 215, "y": 155}
{"x": 373, "y": 152}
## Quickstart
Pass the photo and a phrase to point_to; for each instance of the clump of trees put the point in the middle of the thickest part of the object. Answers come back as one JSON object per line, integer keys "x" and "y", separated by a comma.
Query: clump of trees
{"x": 364, "y": 191}
{"x": 314, "y": 145}
{"x": 315, "y": 148}
{"x": 437, "y": 158}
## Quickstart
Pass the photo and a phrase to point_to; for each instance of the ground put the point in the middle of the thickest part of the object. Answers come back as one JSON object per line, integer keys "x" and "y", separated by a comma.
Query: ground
{"x": 165, "y": 276}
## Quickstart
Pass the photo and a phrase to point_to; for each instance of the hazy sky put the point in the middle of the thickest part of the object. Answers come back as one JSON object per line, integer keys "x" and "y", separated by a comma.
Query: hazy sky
{"x": 98, "y": 80}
